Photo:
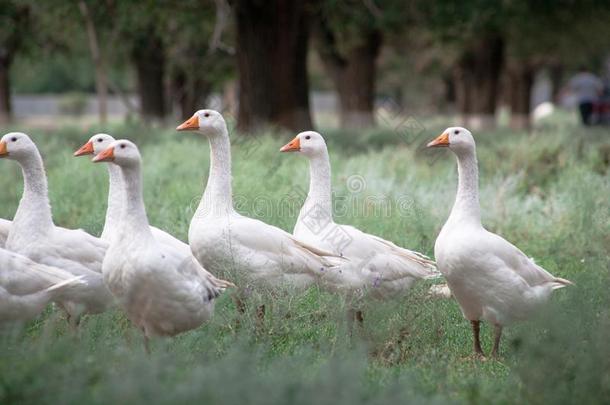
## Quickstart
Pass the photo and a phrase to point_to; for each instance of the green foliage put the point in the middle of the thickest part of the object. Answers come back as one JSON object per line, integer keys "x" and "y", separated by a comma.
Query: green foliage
{"x": 541, "y": 32}
{"x": 51, "y": 44}
{"x": 547, "y": 192}
{"x": 351, "y": 21}
{"x": 16, "y": 23}
{"x": 558, "y": 31}
{"x": 56, "y": 75}
{"x": 462, "y": 21}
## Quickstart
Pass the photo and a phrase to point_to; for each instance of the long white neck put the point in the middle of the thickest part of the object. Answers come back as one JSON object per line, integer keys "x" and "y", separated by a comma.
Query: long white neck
{"x": 116, "y": 200}
{"x": 466, "y": 207}
{"x": 320, "y": 189}
{"x": 217, "y": 198}
{"x": 134, "y": 220}
{"x": 33, "y": 215}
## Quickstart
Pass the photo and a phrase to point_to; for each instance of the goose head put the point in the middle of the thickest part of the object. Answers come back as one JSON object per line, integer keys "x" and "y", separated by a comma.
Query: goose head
{"x": 309, "y": 143}
{"x": 17, "y": 146}
{"x": 96, "y": 145}
{"x": 207, "y": 122}
{"x": 122, "y": 153}
{"x": 458, "y": 139}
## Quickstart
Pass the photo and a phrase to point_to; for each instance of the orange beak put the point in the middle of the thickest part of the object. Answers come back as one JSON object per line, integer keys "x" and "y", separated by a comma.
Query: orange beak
{"x": 192, "y": 124}
{"x": 86, "y": 149}
{"x": 441, "y": 140}
{"x": 3, "y": 150}
{"x": 105, "y": 156}
{"x": 292, "y": 146}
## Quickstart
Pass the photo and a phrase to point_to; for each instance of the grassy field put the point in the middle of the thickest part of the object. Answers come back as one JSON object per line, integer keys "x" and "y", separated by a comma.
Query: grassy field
{"x": 547, "y": 192}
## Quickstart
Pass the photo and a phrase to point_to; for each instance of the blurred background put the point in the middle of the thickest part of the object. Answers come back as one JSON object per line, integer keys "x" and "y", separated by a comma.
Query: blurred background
{"x": 304, "y": 64}
{"x": 379, "y": 79}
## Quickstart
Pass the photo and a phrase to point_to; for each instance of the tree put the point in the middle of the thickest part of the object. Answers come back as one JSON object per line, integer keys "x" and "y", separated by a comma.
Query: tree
{"x": 165, "y": 43}
{"x": 15, "y": 21}
{"x": 99, "y": 64}
{"x": 473, "y": 34}
{"x": 136, "y": 30}
{"x": 199, "y": 59}
{"x": 533, "y": 43}
{"x": 148, "y": 55}
{"x": 477, "y": 79}
{"x": 272, "y": 42}
{"x": 349, "y": 36}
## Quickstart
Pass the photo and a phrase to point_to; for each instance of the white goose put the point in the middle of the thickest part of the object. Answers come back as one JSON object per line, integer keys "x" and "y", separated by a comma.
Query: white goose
{"x": 34, "y": 235}
{"x": 491, "y": 279}
{"x": 222, "y": 239}
{"x": 5, "y": 228}
{"x": 116, "y": 198}
{"x": 163, "y": 291}
{"x": 379, "y": 266}
{"x": 27, "y": 287}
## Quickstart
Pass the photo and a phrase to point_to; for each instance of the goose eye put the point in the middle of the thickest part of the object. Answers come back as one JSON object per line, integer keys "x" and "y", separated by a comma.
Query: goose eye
{"x": 206, "y": 115}
{"x": 14, "y": 139}
{"x": 308, "y": 137}
{"x": 456, "y": 132}
{"x": 123, "y": 146}
{"x": 100, "y": 140}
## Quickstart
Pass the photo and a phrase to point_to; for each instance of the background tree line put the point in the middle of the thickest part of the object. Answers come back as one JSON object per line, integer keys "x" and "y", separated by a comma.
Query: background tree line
{"x": 173, "y": 55}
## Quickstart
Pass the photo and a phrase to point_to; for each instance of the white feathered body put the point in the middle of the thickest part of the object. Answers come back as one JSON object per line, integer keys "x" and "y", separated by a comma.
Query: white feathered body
{"x": 490, "y": 278}
{"x": 27, "y": 287}
{"x": 255, "y": 252}
{"x": 376, "y": 266}
{"x": 76, "y": 252}
{"x": 163, "y": 291}
{"x": 34, "y": 235}
{"x": 5, "y": 228}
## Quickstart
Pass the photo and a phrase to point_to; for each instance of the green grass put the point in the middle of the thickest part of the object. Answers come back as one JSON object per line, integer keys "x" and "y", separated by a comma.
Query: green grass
{"x": 547, "y": 192}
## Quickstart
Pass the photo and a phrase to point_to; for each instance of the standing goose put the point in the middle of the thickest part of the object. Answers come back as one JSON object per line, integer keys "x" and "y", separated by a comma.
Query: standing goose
{"x": 5, "y": 228}
{"x": 379, "y": 266}
{"x": 490, "y": 278}
{"x": 163, "y": 291}
{"x": 34, "y": 235}
{"x": 116, "y": 196}
{"x": 27, "y": 287}
{"x": 223, "y": 239}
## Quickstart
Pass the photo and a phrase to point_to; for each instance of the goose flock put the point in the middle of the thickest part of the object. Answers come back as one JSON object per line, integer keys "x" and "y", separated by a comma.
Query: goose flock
{"x": 166, "y": 287}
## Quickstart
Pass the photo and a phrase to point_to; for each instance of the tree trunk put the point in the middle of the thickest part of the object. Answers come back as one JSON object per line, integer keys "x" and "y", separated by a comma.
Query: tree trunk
{"x": 520, "y": 82}
{"x": 148, "y": 57}
{"x": 353, "y": 73}
{"x": 5, "y": 90}
{"x": 449, "y": 92}
{"x": 464, "y": 92}
{"x": 101, "y": 77}
{"x": 556, "y": 76}
{"x": 17, "y": 19}
{"x": 189, "y": 92}
{"x": 356, "y": 86}
{"x": 477, "y": 76}
{"x": 272, "y": 39}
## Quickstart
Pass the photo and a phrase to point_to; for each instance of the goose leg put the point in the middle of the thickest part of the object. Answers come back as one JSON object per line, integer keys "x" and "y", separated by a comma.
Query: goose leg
{"x": 260, "y": 313}
{"x": 147, "y": 344}
{"x": 495, "y": 352}
{"x": 260, "y": 319}
{"x": 349, "y": 315}
{"x": 240, "y": 305}
{"x": 476, "y": 331}
{"x": 75, "y": 321}
{"x": 352, "y": 316}
{"x": 360, "y": 318}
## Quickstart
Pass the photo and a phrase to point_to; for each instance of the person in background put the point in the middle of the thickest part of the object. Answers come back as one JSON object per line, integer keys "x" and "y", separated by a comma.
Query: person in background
{"x": 587, "y": 87}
